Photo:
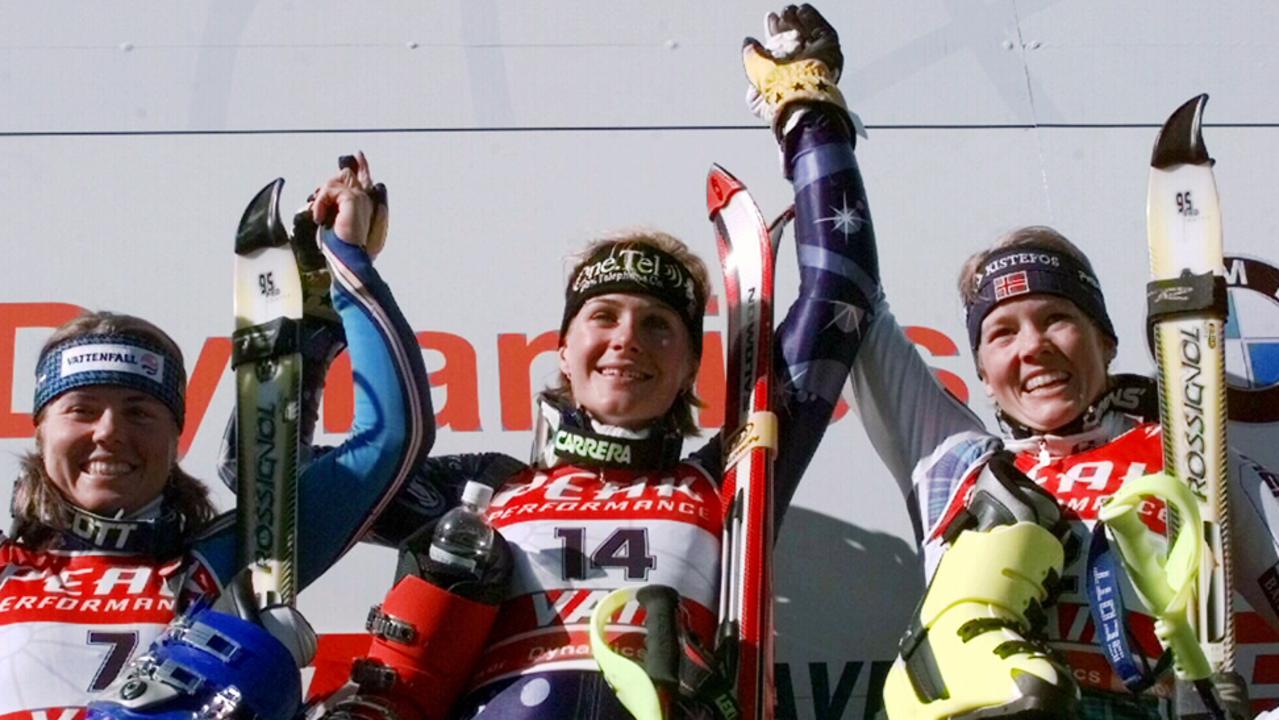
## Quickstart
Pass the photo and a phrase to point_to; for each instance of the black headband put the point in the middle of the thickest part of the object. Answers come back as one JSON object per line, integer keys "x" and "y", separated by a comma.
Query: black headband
{"x": 1021, "y": 271}
{"x": 637, "y": 268}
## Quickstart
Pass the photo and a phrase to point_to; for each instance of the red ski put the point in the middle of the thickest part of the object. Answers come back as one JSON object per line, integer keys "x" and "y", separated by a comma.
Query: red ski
{"x": 745, "y": 638}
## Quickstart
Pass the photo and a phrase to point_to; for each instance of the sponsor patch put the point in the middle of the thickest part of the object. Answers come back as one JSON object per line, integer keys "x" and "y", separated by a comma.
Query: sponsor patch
{"x": 112, "y": 358}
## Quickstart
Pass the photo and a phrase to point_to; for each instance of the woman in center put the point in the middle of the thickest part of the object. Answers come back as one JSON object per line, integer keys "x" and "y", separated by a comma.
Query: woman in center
{"x": 607, "y": 500}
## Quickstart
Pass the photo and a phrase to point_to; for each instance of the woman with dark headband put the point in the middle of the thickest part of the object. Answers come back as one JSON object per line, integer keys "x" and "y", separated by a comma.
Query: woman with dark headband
{"x": 1006, "y": 522}
{"x": 111, "y": 538}
{"x": 606, "y": 500}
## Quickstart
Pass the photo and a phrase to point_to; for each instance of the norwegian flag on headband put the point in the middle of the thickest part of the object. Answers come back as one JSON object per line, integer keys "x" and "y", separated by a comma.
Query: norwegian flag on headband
{"x": 1014, "y": 283}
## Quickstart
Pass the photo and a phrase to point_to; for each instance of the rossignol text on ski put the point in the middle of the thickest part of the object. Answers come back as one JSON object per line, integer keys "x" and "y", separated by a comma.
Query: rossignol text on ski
{"x": 1187, "y": 313}
{"x": 268, "y": 367}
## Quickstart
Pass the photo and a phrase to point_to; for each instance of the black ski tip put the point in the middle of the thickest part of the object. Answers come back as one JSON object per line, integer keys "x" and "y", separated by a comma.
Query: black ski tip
{"x": 347, "y": 162}
{"x": 305, "y": 244}
{"x": 260, "y": 225}
{"x": 1181, "y": 141}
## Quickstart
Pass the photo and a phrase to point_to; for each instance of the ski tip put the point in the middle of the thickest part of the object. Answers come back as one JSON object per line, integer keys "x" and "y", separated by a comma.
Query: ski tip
{"x": 260, "y": 225}
{"x": 1181, "y": 141}
{"x": 720, "y": 187}
{"x": 347, "y": 162}
{"x": 778, "y": 228}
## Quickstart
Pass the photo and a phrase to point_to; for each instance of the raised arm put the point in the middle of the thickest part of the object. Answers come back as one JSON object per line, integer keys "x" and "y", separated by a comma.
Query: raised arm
{"x": 793, "y": 86}
{"x": 344, "y": 488}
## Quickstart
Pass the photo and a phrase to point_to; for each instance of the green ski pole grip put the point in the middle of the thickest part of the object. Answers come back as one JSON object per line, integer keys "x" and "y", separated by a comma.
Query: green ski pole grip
{"x": 1165, "y": 583}
{"x": 632, "y": 684}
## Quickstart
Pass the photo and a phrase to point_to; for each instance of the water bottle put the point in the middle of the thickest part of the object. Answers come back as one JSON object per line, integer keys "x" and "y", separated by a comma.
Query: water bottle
{"x": 463, "y": 539}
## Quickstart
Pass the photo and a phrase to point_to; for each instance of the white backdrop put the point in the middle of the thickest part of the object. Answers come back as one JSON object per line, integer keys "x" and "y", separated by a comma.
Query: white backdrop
{"x": 510, "y": 133}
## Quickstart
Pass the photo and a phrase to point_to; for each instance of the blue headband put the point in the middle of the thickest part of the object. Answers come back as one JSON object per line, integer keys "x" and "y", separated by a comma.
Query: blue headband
{"x": 114, "y": 359}
{"x": 1024, "y": 270}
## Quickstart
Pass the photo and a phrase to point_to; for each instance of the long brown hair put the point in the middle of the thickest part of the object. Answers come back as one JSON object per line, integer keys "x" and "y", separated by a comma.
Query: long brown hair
{"x": 40, "y": 510}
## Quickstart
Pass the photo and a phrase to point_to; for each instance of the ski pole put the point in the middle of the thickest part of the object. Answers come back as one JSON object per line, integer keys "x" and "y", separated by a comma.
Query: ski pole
{"x": 646, "y": 692}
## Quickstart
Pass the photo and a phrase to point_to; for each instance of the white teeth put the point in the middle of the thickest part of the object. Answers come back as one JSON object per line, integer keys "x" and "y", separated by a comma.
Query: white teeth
{"x": 107, "y": 467}
{"x": 618, "y": 372}
{"x": 1046, "y": 379}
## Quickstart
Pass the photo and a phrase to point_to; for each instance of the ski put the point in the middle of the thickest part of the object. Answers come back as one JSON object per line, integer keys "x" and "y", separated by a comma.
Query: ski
{"x": 1187, "y": 312}
{"x": 744, "y": 643}
{"x": 268, "y": 369}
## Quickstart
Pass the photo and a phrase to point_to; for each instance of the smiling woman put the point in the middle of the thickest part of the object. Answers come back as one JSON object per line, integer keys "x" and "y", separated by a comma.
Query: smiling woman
{"x": 1038, "y": 326}
{"x": 609, "y": 499}
{"x": 1020, "y": 504}
{"x": 111, "y": 539}
{"x": 1042, "y": 361}
{"x": 109, "y": 407}
{"x": 629, "y": 351}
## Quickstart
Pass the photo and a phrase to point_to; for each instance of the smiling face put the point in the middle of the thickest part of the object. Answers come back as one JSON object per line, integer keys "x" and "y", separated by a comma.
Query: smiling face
{"x": 108, "y": 448}
{"x": 626, "y": 357}
{"x": 1042, "y": 360}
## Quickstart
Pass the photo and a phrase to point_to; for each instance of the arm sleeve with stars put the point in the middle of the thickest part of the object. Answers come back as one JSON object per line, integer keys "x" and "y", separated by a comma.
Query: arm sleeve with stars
{"x": 816, "y": 343}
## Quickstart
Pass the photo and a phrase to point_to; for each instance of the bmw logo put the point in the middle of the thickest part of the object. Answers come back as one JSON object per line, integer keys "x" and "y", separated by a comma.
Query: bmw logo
{"x": 1252, "y": 340}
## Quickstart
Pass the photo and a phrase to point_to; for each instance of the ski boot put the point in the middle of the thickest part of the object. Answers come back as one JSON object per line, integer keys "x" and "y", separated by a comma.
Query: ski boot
{"x": 213, "y": 664}
{"x": 970, "y": 651}
{"x": 427, "y": 637}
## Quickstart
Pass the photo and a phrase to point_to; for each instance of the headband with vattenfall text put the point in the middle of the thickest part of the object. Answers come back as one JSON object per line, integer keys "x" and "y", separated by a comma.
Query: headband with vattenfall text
{"x": 111, "y": 359}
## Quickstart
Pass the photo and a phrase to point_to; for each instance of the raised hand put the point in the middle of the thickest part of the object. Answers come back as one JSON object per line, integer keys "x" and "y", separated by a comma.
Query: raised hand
{"x": 800, "y": 33}
{"x": 799, "y": 62}
{"x": 353, "y": 205}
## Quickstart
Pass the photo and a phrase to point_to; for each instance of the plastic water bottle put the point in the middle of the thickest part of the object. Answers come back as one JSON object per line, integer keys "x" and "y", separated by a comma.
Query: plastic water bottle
{"x": 463, "y": 539}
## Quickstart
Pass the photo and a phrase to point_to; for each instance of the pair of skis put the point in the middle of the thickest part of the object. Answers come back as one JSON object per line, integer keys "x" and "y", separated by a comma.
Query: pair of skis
{"x": 1189, "y": 588}
{"x": 743, "y": 656}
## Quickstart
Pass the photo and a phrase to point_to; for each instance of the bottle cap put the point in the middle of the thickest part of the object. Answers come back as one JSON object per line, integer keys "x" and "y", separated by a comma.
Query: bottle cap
{"x": 477, "y": 494}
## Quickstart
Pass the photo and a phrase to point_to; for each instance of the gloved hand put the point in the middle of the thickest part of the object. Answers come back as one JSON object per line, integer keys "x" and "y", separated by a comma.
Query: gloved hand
{"x": 798, "y": 64}
{"x": 229, "y": 661}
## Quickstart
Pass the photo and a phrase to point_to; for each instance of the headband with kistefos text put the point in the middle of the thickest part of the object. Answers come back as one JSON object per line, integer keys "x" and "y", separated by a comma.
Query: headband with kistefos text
{"x": 1014, "y": 272}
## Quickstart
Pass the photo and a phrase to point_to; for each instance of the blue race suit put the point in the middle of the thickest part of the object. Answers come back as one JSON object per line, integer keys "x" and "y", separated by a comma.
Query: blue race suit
{"x": 72, "y": 614}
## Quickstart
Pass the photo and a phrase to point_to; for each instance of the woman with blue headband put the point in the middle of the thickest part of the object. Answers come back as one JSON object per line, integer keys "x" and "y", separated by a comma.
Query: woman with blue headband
{"x": 111, "y": 538}
{"x": 1006, "y": 522}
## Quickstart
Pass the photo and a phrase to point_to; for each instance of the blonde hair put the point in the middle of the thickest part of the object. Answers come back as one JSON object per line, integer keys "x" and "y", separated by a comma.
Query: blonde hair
{"x": 682, "y": 410}
{"x": 40, "y": 510}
